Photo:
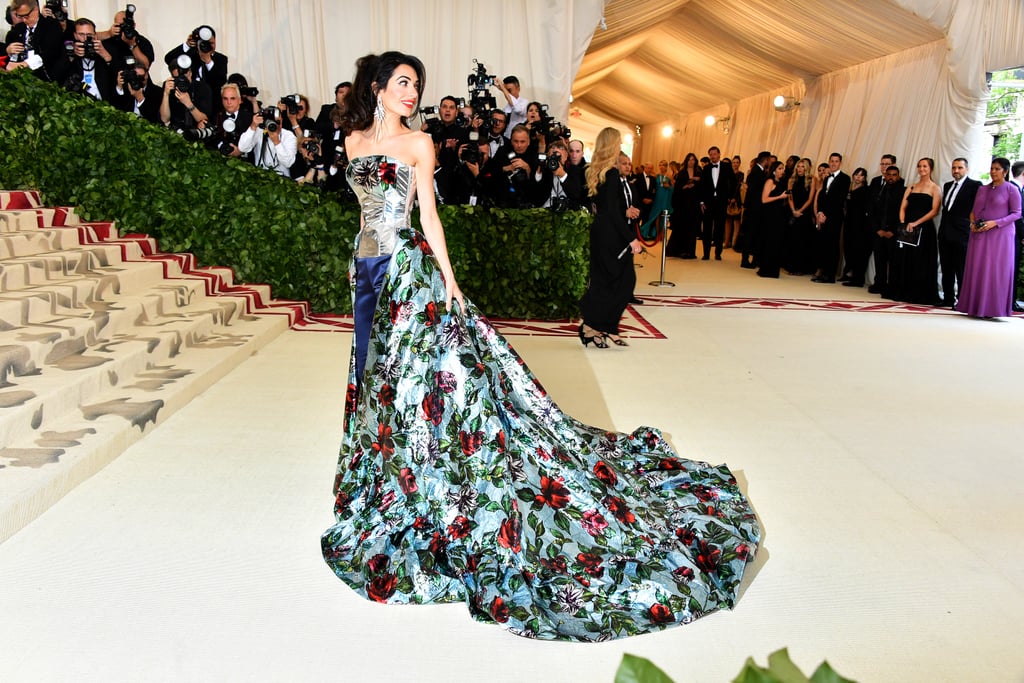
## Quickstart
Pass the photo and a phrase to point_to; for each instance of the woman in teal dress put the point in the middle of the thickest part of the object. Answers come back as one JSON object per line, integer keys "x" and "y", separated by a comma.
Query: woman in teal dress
{"x": 662, "y": 201}
{"x": 459, "y": 479}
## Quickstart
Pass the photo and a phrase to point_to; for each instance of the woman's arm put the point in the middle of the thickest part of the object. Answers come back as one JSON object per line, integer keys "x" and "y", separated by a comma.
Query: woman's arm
{"x": 767, "y": 192}
{"x": 903, "y": 206}
{"x": 423, "y": 156}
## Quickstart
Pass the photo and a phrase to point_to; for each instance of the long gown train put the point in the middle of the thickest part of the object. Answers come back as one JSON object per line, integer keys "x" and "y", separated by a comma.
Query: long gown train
{"x": 459, "y": 478}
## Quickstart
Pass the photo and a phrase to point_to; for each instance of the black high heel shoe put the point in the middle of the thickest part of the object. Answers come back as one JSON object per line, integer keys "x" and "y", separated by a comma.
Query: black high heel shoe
{"x": 597, "y": 339}
{"x": 618, "y": 341}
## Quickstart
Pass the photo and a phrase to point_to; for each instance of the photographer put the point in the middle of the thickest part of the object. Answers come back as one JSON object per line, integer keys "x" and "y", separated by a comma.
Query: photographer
{"x": 273, "y": 146}
{"x": 517, "y": 169}
{"x": 36, "y": 42}
{"x": 136, "y": 95}
{"x": 465, "y": 184}
{"x": 90, "y": 70}
{"x": 186, "y": 105}
{"x": 494, "y": 127}
{"x": 208, "y": 65}
{"x": 123, "y": 40}
{"x": 323, "y": 119}
{"x": 449, "y": 133}
{"x": 560, "y": 187}
{"x": 516, "y": 107}
{"x": 229, "y": 124}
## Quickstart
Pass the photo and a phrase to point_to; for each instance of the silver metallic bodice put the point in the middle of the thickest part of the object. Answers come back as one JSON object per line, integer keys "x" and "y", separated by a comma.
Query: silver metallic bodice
{"x": 385, "y": 188}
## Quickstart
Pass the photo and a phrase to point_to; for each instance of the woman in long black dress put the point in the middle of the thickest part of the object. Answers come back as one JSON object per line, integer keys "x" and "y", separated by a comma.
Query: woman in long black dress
{"x": 774, "y": 220}
{"x": 917, "y": 267}
{"x": 685, "y": 210}
{"x": 799, "y": 232}
{"x": 856, "y": 233}
{"x": 612, "y": 245}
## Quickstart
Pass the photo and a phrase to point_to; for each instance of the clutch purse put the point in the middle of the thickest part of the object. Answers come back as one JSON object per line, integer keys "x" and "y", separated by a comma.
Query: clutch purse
{"x": 908, "y": 237}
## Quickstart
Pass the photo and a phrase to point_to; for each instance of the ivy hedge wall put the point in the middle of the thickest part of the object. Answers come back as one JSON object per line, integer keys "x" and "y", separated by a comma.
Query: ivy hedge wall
{"x": 113, "y": 166}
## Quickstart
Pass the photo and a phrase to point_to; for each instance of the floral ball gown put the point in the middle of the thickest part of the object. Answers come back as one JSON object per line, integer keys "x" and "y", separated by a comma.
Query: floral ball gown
{"x": 460, "y": 480}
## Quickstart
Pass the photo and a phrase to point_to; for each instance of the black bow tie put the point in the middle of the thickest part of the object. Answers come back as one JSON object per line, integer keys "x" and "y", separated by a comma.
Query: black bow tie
{"x": 714, "y": 165}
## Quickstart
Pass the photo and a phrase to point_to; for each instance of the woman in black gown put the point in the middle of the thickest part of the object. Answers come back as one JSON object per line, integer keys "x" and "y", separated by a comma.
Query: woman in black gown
{"x": 685, "y": 210}
{"x": 856, "y": 233}
{"x": 612, "y": 245}
{"x": 916, "y": 267}
{"x": 774, "y": 199}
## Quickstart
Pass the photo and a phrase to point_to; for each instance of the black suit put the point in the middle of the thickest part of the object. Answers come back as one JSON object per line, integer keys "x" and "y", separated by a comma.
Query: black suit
{"x": 104, "y": 74}
{"x": 831, "y": 201}
{"x": 47, "y": 42}
{"x": 714, "y": 197}
{"x": 644, "y": 189}
{"x": 885, "y": 216}
{"x": 752, "y": 216}
{"x": 150, "y": 107}
{"x": 954, "y": 232}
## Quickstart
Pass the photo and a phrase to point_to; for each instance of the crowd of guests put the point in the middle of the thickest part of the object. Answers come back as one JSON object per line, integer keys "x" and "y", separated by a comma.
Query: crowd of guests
{"x": 792, "y": 216}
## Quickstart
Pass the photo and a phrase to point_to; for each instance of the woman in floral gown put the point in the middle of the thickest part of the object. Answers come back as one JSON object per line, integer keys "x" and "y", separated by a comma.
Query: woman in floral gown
{"x": 459, "y": 480}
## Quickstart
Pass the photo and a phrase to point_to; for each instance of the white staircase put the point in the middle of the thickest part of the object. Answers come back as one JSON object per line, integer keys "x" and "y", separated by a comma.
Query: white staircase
{"x": 101, "y": 339}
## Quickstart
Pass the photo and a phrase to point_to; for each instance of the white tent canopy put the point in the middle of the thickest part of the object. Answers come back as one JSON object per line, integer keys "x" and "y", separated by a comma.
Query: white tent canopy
{"x": 871, "y": 76}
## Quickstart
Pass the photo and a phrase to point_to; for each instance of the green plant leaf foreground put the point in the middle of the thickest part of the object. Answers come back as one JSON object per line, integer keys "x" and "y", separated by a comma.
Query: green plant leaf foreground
{"x": 781, "y": 669}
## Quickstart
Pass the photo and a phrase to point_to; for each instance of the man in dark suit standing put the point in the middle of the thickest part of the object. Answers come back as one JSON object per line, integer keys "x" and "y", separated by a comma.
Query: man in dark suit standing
{"x": 644, "y": 189}
{"x": 717, "y": 185}
{"x": 829, "y": 212}
{"x": 955, "y": 229}
{"x": 857, "y": 264}
{"x": 750, "y": 233}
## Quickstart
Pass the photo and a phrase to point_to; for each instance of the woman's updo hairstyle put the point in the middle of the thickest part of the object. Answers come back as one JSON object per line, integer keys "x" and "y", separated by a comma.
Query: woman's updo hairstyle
{"x": 372, "y": 74}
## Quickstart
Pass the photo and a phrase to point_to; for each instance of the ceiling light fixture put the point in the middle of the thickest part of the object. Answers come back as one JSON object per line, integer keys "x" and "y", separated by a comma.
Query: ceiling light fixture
{"x": 721, "y": 121}
{"x": 785, "y": 103}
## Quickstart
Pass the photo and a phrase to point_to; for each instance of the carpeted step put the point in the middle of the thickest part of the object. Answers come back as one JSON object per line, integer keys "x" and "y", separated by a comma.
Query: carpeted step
{"x": 101, "y": 338}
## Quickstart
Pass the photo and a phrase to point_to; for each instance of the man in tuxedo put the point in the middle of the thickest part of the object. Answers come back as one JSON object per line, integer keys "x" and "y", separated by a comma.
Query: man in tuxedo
{"x": 123, "y": 42}
{"x": 239, "y": 116}
{"x": 859, "y": 247}
{"x": 644, "y": 188}
{"x": 36, "y": 42}
{"x": 208, "y": 66}
{"x": 750, "y": 233}
{"x": 717, "y": 185}
{"x": 955, "y": 229}
{"x": 884, "y": 217}
{"x": 829, "y": 212}
{"x": 324, "y": 123}
{"x": 91, "y": 70}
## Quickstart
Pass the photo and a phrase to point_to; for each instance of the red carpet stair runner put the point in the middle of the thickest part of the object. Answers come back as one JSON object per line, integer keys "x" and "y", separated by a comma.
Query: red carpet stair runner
{"x": 101, "y": 339}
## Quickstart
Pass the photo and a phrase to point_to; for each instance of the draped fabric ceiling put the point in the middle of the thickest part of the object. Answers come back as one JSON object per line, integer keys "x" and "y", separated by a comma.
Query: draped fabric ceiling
{"x": 872, "y": 76}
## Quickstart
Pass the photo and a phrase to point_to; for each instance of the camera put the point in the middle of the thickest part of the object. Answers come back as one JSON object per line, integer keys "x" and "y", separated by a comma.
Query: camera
{"x": 517, "y": 175}
{"x": 228, "y": 138}
{"x": 430, "y": 117}
{"x": 128, "y": 29}
{"x": 59, "y": 8}
{"x": 478, "y": 82}
{"x": 89, "y": 48}
{"x": 292, "y": 103}
{"x": 271, "y": 119}
{"x": 130, "y": 77}
{"x": 181, "y": 81}
{"x": 202, "y": 36}
{"x": 248, "y": 92}
{"x": 200, "y": 134}
{"x": 552, "y": 162}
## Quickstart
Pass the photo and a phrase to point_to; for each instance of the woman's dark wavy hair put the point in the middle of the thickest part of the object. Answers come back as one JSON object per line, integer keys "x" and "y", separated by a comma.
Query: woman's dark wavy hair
{"x": 374, "y": 72}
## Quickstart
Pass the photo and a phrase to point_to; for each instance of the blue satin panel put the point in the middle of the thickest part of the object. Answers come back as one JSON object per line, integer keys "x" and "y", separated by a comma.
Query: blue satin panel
{"x": 370, "y": 274}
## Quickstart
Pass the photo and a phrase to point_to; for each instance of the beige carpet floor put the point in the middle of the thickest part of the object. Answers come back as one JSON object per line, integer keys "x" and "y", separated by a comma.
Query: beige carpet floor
{"x": 880, "y": 446}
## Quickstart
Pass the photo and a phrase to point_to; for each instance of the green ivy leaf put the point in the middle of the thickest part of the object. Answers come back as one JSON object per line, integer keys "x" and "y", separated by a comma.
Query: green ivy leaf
{"x": 635, "y": 669}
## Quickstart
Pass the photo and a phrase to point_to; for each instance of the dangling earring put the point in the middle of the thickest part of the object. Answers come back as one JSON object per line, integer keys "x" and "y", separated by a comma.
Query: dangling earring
{"x": 378, "y": 115}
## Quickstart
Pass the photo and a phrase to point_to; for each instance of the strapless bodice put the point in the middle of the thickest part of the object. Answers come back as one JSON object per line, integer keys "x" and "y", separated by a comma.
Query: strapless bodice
{"x": 385, "y": 188}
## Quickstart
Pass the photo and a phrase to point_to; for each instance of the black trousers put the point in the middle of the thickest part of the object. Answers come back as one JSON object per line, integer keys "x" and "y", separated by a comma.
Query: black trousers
{"x": 952, "y": 258}
{"x": 713, "y": 229}
{"x": 828, "y": 248}
{"x": 883, "y": 248}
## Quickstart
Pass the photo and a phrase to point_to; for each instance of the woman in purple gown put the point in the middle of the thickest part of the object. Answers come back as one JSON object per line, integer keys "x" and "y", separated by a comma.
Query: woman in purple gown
{"x": 988, "y": 276}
